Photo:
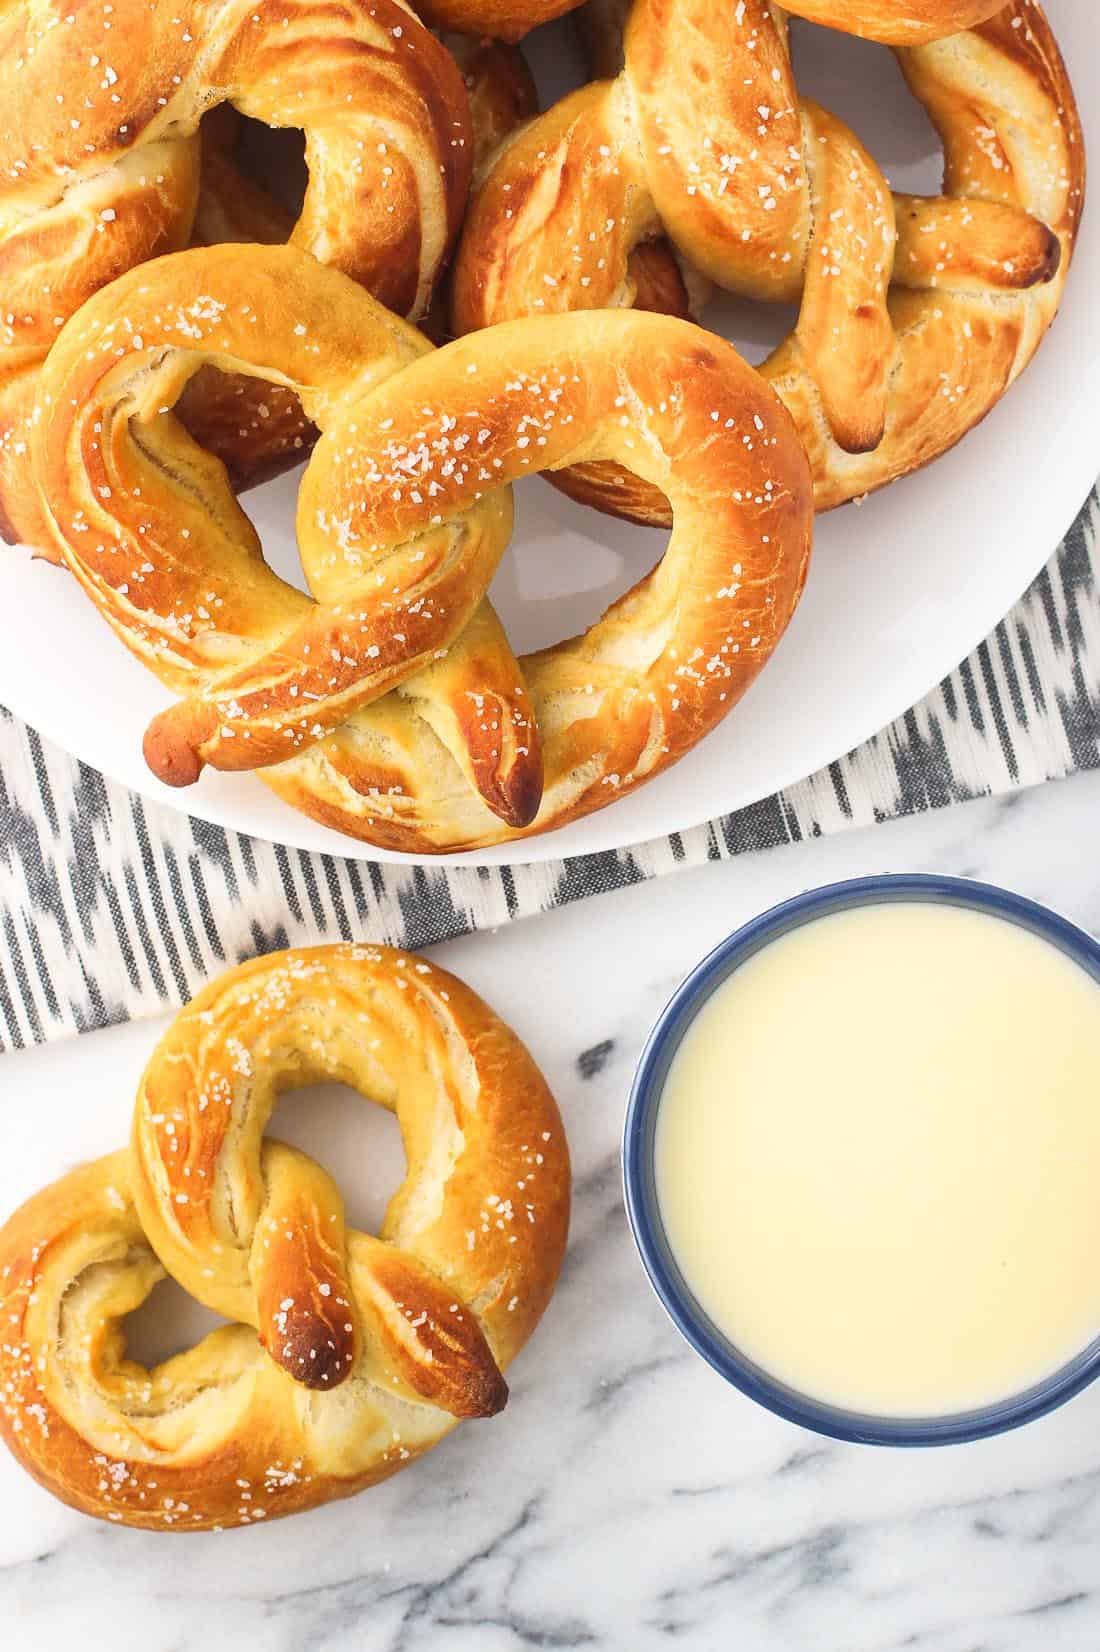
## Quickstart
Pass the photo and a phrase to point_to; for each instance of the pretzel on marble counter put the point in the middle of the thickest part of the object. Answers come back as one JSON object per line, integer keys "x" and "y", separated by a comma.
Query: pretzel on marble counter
{"x": 348, "y": 1356}
{"x": 403, "y": 515}
{"x": 916, "y": 314}
{"x": 100, "y": 163}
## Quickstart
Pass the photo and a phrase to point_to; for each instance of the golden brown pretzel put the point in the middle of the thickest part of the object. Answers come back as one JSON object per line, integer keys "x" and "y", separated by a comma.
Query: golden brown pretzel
{"x": 250, "y": 190}
{"x": 498, "y": 19}
{"x": 896, "y": 22}
{"x": 503, "y": 98}
{"x": 500, "y": 87}
{"x": 99, "y": 158}
{"x": 253, "y": 180}
{"x": 916, "y": 314}
{"x": 891, "y": 22}
{"x": 403, "y": 514}
{"x": 349, "y": 1355}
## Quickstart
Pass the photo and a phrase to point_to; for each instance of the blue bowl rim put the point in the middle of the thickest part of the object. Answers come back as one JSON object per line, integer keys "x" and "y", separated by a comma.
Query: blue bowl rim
{"x": 640, "y": 1194}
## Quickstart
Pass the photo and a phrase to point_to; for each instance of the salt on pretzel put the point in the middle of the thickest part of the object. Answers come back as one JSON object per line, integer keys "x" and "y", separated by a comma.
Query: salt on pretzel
{"x": 916, "y": 314}
{"x": 100, "y": 161}
{"x": 349, "y": 1356}
{"x": 250, "y": 190}
{"x": 403, "y": 514}
{"x": 890, "y": 22}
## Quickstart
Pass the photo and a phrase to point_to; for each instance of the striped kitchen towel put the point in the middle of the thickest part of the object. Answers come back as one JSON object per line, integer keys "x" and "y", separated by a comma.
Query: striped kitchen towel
{"x": 113, "y": 907}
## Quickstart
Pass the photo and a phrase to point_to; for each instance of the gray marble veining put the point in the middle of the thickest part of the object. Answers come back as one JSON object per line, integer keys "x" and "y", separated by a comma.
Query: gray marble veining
{"x": 626, "y": 1498}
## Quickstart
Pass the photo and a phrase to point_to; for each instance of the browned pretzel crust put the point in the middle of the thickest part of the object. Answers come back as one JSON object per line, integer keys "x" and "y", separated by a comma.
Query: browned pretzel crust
{"x": 896, "y": 22}
{"x": 348, "y": 1356}
{"x": 916, "y": 315}
{"x": 403, "y": 515}
{"x": 99, "y": 157}
{"x": 498, "y": 19}
{"x": 250, "y": 190}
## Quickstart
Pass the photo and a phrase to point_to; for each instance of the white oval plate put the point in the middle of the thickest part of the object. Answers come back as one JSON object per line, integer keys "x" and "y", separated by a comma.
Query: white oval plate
{"x": 901, "y": 588}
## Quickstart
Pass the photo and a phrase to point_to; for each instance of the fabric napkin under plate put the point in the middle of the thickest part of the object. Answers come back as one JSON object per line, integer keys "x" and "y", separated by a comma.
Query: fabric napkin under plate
{"x": 113, "y": 907}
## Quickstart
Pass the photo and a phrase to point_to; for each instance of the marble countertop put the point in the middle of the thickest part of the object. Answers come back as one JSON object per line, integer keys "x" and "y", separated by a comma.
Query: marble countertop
{"x": 626, "y": 1498}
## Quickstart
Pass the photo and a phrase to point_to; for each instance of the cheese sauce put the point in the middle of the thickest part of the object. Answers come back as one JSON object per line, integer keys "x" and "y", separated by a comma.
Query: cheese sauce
{"x": 878, "y": 1159}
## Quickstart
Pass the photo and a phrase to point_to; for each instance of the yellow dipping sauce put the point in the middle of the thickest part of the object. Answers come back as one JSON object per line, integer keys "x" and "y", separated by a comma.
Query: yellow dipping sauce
{"x": 877, "y": 1159}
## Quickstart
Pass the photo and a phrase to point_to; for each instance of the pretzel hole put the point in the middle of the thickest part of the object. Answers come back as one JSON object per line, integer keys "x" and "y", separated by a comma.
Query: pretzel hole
{"x": 254, "y": 177}
{"x": 565, "y": 566}
{"x": 257, "y": 429}
{"x": 273, "y": 158}
{"x": 860, "y": 83}
{"x": 168, "y": 1322}
{"x": 252, "y": 188}
{"x": 348, "y": 1133}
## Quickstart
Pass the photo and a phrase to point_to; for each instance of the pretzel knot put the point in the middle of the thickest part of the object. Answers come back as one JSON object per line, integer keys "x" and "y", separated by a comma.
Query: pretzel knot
{"x": 915, "y": 314}
{"x": 99, "y": 158}
{"x": 403, "y": 515}
{"x": 348, "y": 1355}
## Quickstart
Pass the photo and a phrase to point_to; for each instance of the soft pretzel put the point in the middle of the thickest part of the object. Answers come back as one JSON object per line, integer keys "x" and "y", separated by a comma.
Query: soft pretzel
{"x": 890, "y": 22}
{"x": 896, "y": 22}
{"x": 250, "y": 190}
{"x": 403, "y": 515}
{"x": 498, "y": 19}
{"x": 503, "y": 98}
{"x": 916, "y": 314}
{"x": 100, "y": 162}
{"x": 349, "y": 1356}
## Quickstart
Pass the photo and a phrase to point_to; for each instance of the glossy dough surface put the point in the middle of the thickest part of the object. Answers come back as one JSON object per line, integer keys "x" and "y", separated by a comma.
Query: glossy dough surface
{"x": 100, "y": 162}
{"x": 348, "y": 1356}
{"x": 499, "y": 19}
{"x": 251, "y": 187}
{"x": 915, "y": 314}
{"x": 896, "y": 22}
{"x": 404, "y": 513}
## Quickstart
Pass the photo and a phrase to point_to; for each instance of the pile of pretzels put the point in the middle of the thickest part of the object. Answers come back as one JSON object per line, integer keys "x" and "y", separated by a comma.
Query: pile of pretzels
{"x": 188, "y": 309}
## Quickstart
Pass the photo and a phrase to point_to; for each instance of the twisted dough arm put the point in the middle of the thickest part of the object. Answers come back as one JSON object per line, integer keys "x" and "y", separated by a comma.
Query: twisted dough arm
{"x": 667, "y": 661}
{"x": 259, "y": 429}
{"x": 979, "y": 272}
{"x": 896, "y": 22}
{"x": 147, "y": 522}
{"x": 777, "y": 200}
{"x": 50, "y": 262}
{"x": 388, "y": 143}
{"x": 403, "y": 512}
{"x": 99, "y": 158}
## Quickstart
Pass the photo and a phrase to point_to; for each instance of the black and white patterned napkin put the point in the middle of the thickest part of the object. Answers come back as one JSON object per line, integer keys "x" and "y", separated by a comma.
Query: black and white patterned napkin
{"x": 112, "y": 907}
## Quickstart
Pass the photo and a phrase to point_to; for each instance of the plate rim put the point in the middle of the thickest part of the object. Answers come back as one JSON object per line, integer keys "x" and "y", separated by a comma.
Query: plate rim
{"x": 298, "y": 831}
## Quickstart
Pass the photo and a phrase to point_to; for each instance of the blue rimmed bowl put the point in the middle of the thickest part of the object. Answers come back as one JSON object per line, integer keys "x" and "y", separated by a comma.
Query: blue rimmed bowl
{"x": 639, "y": 1179}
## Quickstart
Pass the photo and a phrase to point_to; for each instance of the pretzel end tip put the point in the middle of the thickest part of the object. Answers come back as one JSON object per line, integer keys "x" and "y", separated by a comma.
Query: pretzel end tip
{"x": 519, "y": 797}
{"x": 314, "y": 1352}
{"x": 859, "y": 436}
{"x": 505, "y": 754}
{"x": 173, "y": 759}
{"x": 486, "y": 1396}
{"x": 1050, "y": 261}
